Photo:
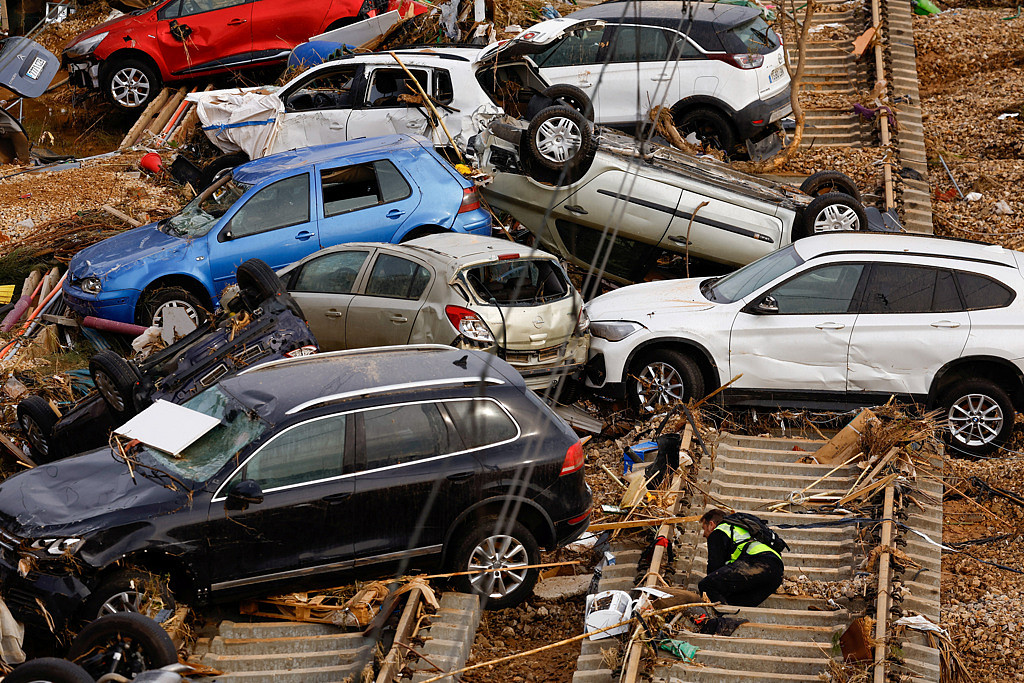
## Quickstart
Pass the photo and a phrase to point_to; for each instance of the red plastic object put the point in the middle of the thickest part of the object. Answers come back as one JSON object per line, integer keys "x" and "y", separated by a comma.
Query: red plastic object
{"x": 112, "y": 326}
{"x": 151, "y": 162}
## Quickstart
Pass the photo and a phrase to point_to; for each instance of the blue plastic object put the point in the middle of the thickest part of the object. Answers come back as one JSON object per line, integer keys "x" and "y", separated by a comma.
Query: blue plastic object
{"x": 637, "y": 453}
{"x": 317, "y": 52}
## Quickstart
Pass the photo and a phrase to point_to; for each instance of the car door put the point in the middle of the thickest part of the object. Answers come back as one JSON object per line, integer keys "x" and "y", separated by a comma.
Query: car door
{"x": 802, "y": 345}
{"x": 364, "y": 202}
{"x": 389, "y": 104}
{"x": 317, "y": 107}
{"x": 203, "y": 35}
{"x": 410, "y": 462}
{"x": 324, "y": 287}
{"x": 384, "y": 310}
{"x": 273, "y": 224}
{"x": 295, "y": 530}
{"x": 911, "y": 323}
{"x": 574, "y": 59}
{"x": 279, "y": 25}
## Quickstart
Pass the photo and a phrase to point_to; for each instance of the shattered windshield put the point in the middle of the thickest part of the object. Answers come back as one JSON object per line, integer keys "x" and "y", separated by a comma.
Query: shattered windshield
{"x": 518, "y": 282}
{"x": 238, "y": 428}
{"x": 199, "y": 215}
{"x": 743, "y": 282}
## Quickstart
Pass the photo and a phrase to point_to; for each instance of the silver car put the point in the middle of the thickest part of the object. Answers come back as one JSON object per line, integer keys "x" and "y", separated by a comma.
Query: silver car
{"x": 462, "y": 290}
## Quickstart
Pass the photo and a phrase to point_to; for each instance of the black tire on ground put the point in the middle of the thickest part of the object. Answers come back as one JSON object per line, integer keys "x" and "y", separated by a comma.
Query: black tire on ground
{"x": 824, "y": 182}
{"x": 831, "y": 212}
{"x": 565, "y": 95}
{"x": 710, "y": 126}
{"x": 125, "y": 644}
{"x": 213, "y": 170}
{"x": 661, "y": 378}
{"x": 560, "y": 139}
{"x": 115, "y": 379}
{"x": 130, "y": 84}
{"x": 37, "y": 420}
{"x": 494, "y": 543}
{"x": 154, "y": 301}
{"x": 48, "y": 670}
{"x": 125, "y": 591}
{"x": 979, "y": 415}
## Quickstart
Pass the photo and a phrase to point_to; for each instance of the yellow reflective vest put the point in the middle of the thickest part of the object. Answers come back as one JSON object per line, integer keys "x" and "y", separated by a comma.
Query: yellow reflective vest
{"x": 741, "y": 540}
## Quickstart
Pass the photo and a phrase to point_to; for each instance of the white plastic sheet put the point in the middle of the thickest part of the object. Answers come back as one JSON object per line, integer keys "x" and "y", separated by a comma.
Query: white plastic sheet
{"x": 240, "y": 120}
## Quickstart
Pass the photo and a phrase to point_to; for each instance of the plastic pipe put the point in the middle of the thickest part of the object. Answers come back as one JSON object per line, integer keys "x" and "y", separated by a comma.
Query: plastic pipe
{"x": 112, "y": 326}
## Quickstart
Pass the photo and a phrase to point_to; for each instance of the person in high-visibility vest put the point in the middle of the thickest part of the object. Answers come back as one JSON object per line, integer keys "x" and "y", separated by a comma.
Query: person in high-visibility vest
{"x": 741, "y": 571}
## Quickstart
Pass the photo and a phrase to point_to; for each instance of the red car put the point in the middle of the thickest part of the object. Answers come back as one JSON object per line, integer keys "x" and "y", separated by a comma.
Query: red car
{"x": 131, "y": 57}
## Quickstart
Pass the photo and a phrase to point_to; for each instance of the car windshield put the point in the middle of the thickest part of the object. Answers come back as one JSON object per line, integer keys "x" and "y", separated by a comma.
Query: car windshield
{"x": 743, "y": 282}
{"x": 238, "y": 428}
{"x": 199, "y": 215}
{"x": 518, "y": 282}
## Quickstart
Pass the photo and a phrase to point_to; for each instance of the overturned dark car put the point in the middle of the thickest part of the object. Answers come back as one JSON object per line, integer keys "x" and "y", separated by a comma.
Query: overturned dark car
{"x": 296, "y": 471}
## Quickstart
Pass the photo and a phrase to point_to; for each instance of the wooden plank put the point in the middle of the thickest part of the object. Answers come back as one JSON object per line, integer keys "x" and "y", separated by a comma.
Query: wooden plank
{"x": 636, "y": 523}
{"x": 59, "y": 319}
{"x": 403, "y": 632}
{"x": 121, "y": 215}
{"x": 882, "y": 601}
{"x": 866, "y": 489}
{"x": 863, "y": 41}
{"x": 844, "y": 444}
{"x": 166, "y": 112}
{"x": 145, "y": 119}
{"x": 188, "y": 121}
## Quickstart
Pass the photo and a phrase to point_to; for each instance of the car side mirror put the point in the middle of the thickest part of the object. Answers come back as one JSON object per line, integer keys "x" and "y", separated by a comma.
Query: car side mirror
{"x": 243, "y": 494}
{"x": 766, "y": 306}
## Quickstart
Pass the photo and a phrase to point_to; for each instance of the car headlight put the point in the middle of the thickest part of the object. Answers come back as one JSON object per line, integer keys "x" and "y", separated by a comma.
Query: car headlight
{"x": 91, "y": 285}
{"x": 614, "y": 331}
{"x": 58, "y": 546}
{"x": 86, "y": 46}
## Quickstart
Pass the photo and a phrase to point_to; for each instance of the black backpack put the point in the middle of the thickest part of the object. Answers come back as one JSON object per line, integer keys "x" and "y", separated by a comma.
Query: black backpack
{"x": 758, "y": 530}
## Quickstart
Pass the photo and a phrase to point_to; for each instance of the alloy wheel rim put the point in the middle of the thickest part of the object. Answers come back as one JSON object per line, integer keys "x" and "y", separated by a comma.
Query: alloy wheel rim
{"x": 130, "y": 87}
{"x": 125, "y": 601}
{"x": 34, "y": 434}
{"x": 191, "y": 311}
{"x": 559, "y": 139}
{"x": 659, "y": 384}
{"x": 503, "y": 553}
{"x": 108, "y": 389}
{"x": 975, "y": 420}
{"x": 836, "y": 218}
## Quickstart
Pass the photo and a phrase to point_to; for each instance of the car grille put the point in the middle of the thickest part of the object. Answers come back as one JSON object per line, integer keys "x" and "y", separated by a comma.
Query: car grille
{"x": 24, "y": 607}
{"x": 546, "y": 355}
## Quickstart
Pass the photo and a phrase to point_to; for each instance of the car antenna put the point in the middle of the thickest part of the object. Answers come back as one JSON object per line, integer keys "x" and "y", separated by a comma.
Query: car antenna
{"x": 461, "y": 362}
{"x": 504, "y": 329}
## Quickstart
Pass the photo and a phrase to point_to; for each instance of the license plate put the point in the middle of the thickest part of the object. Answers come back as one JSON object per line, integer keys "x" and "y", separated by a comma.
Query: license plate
{"x": 776, "y": 74}
{"x": 37, "y": 68}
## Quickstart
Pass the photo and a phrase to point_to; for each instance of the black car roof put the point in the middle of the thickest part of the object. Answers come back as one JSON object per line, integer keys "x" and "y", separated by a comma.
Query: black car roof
{"x": 282, "y": 388}
{"x": 669, "y": 14}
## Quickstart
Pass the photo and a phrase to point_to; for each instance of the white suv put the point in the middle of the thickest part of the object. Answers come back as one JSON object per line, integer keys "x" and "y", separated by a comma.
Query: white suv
{"x": 831, "y": 322}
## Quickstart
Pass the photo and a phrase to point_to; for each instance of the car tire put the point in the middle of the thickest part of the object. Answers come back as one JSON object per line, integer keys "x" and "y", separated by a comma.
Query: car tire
{"x": 560, "y": 139}
{"x": 258, "y": 282}
{"x": 130, "y": 84}
{"x": 710, "y": 126}
{"x": 155, "y": 301}
{"x": 48, "y": 670}
{"x": 832, "y": 212}
{"x": 37, "y": 420}
{"x": 126, "y": 591}
{"x": 979, "y": 415}
{"x": 824, "y": 182}
{"x": 661, "y": 378}
{"x": 216, "y": 168}
{"x": 125, "y": 644}
{"x": 115, "y": 379}
{"x": 565, "y": 95}
{"x": 495, "y": 542}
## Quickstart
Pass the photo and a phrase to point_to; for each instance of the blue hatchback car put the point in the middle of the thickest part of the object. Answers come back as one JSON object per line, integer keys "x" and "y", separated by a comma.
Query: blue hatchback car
{"x": 280, "y": 209}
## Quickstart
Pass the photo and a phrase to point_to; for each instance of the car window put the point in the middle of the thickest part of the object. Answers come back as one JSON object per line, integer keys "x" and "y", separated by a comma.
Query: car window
{"x": 308, "y": 452}
{"x": 628, "y": 43}
{"x": 481, "y": 422}
{"x": 394, "y": 88}
{"x": 577, "y": 47}
{"x": 397, "y": 278}
{"x": 983, "y": 292}
{"x": 200, "y": 214}
{"x": 518, "y": 281}
{"x": 748, "y": 279}
{"x": 359, "y": 186}
{"x": 443, "y": 90}
{"x": 828, "y": 289}
{"x": 399, "y": 434}
{"x": 331, "y": 274}
{"x": 189, "y": 7}
{"x": 277, "y": 205}
{"x": 620, "y": 256}
{"x": 754, "y": 37}
{"x": 170, "y": 10}
{"x": 325, "y": 90}
{"x": 683, "y": 48}
{"x": 897, "y": 288}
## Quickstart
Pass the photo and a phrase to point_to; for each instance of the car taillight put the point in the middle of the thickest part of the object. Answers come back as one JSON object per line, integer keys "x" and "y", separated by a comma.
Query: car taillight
{"x": 468, "y": 324}
{"x": 470, "y": 200}
{"x": 307, "y": 350}
{"x": 742, "y": 61}
{"x": 573, "y": 459}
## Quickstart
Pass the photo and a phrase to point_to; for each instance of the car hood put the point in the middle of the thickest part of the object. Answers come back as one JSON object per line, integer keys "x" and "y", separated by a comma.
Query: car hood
{"x": 74, "y": 495}
{"x": 641, "y": 302}
{"x": 537, "y": 38}
{"x": 126, "y": 250}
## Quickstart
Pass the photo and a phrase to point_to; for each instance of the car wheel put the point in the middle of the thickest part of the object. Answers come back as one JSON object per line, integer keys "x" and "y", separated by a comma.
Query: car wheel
{"x": 37, "y": 420}
{"x": 661, "y": 378}
{"x": 48, "y": 670}
{"x": 221, "y": 165}
{"x": 258, "y": 282}
{"x": 125, "y": 644}
{"x": 709, "y": 126}
{"x": 824, "y": 182}
{"x": 127, "y": 590}
{"x": 131, "y": 84}
{"x": 565, "y": 95}
{"x": 497, "y": 544}
{"x": 115, "y": 379}
{"x": 157, "y": 301}
{"x": 559, "y": 138}
{"x": 832, "y": 212}
{"x": 979, "y": 414}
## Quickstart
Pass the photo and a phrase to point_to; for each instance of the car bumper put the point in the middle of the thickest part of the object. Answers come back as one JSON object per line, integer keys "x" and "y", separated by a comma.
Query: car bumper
{"x": 476, "y": 222}
{"x": 606, "y": 366}
{"x": 116, "y": 305}
{"x": 83, "y": 73}
{"x": 44, "y": 601}
{"x": 767, "y": 112}
{"x": 542, "y": 368}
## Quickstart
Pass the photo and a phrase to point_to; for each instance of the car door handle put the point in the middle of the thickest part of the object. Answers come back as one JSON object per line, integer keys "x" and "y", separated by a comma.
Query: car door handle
{"x": 585, "y": 84}
{"x": 399, "y": 319}
{"x": 304, "y": 235}
{"x": 682, "y": 241}
{"x": 336, "y": 497}
{"x": 460, "y": 476}
{"x": 395, "y": 213}
{"x": 237, "y": 22}
{"x": 661, "y": 78}
{"x": 830, "y": 326}
{"x": 946, "y": 323}
{"x": 333, "y": 313}
{"x": 576, "y": 209}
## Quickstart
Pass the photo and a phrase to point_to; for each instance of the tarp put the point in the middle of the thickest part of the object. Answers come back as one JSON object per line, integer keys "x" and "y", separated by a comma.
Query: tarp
{"x": 242, "y": 120}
